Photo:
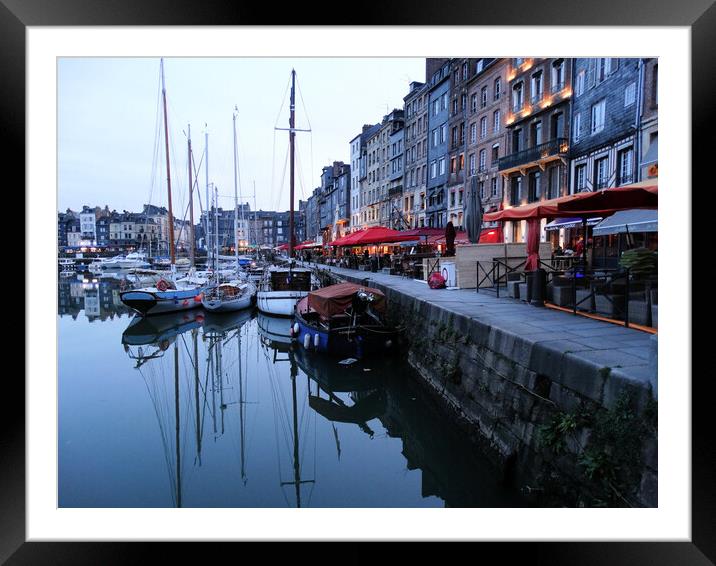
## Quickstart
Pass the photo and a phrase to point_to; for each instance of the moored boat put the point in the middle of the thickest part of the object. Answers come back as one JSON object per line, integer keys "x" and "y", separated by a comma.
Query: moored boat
{"x": 227, "y": 297}
{"x": 344, "y": 320}
{"x": 282, "y": 287}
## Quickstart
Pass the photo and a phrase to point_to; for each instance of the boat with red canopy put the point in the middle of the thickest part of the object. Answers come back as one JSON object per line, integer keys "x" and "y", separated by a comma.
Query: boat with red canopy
{"x": 343, "y": 320}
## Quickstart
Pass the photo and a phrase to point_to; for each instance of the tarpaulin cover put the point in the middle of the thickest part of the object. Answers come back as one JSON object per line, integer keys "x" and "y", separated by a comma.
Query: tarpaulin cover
{"x": 335, "y": 299}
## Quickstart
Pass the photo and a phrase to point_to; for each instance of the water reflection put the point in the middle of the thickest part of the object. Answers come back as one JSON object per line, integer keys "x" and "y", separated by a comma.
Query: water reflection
{"x": 231, "y": 415}
{"x": 99, "y": 299}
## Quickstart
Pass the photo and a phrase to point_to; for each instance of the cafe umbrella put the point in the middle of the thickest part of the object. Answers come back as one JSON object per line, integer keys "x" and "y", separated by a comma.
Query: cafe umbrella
{"x": 473, "y": 212}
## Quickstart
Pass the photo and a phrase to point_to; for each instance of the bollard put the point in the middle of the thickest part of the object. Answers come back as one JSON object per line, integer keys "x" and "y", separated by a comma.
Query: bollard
{"x": 539, "y": 287}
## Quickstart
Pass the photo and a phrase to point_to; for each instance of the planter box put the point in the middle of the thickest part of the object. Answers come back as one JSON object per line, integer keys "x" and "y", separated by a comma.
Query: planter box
{"x": 563, "y": 296}
{"x": 585, "y": 305}
{"x": 639, "y": 312}
{"x": 513, "y": 289}
{"x": 523, "y": 291}
{"x": 610, "y": 305}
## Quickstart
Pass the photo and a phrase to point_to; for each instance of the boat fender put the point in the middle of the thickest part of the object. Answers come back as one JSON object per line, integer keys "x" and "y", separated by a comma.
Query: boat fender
{"x": 306, "y": 341}
{"x": 316, "y": 339}
{"x": 162, "y": 285}
{"x": 185, "y": 303}
{"x": 197, "y": 299}
{"x": 388, "y": 343}
{"x": 295, "y": 328}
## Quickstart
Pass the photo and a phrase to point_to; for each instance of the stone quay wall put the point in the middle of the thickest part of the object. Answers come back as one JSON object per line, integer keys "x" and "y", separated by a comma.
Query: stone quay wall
{"x": 548, "y": 417}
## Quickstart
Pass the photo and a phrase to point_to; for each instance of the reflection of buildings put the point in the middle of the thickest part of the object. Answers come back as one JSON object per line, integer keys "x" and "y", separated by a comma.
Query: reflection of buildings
{"x": 98, "y": 300}
{"x": 452, "y": 467}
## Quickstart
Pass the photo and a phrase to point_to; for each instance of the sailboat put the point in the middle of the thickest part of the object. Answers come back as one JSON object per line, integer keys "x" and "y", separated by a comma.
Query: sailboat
{"x": 282, "y": 286}
{"x": 167, "y": 295}
{"x": 234, "y": 295}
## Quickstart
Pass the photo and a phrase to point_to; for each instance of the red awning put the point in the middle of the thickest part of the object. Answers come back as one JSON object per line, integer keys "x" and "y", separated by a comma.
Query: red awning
{"x": 281, "y": 247}
{"x": 373, "y": 235}
{"x": 307, "y": 244}
{"x": 587, "y": 204}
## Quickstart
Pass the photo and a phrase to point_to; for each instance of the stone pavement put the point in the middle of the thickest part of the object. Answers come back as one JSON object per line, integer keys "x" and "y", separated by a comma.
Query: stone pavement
{"x": 555, "y": 342}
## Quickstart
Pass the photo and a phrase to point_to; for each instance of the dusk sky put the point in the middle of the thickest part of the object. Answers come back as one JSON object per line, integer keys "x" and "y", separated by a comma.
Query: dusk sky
{"x": 107, "y": 118}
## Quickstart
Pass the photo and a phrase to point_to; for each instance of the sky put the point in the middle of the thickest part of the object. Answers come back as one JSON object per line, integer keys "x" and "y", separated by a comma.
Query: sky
{"x": 108, "y": 118}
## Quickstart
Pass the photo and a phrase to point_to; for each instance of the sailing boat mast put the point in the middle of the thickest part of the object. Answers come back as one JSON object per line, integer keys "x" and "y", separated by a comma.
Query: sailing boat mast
{"x": 208, "y": 207}
{"x": 191, "y": 204}
{"x": 169, "y": 180}
{"x": 291, "y": 137}
{"x": 236, "y": 197}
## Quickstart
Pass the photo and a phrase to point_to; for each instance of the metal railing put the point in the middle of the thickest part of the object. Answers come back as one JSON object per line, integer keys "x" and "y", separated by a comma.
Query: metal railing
{"x": 552, "y": 147}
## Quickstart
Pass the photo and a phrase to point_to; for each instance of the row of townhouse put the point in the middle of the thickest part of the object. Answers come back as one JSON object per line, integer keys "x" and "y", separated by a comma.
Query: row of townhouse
{"x": 519, "y": 129}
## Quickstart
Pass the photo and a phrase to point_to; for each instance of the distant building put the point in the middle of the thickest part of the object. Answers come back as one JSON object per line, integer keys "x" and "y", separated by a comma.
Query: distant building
{"x": 416, "y": 154}
{"x": 438, "y": 117}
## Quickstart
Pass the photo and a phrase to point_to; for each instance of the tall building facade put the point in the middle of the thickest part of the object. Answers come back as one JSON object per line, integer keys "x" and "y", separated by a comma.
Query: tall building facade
{"x": 536, "y": 164}
{"x": 438, "y": 117}
{"x": 416, "y": 154}
{"x": 486, "y": 132}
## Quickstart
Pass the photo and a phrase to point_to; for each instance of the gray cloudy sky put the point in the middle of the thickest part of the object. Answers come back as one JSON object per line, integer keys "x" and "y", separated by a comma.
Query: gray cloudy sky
{"x": 107, "y": 118}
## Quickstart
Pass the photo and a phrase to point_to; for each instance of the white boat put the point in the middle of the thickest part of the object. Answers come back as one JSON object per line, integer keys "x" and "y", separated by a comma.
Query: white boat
{"x": 227, "y": 297}
{"x": 282, "y": 287}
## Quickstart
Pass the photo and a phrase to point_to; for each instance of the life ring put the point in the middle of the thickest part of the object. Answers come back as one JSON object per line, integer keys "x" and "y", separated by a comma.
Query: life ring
{"x": 162, "y": 285}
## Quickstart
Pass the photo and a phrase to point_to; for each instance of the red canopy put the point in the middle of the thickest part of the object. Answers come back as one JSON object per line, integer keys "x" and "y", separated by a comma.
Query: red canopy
{"x": 282, "y": 247}
{"x": 598, "y": 203}
{"x": 373, "y": 235}
{"x": 307, "y": 244}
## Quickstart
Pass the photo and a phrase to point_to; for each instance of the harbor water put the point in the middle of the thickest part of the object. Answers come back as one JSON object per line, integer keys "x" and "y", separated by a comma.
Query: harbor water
{"x": 205, "y": 410}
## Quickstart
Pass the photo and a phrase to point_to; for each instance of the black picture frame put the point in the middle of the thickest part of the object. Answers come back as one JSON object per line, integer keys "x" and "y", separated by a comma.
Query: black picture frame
{"x": 17, "y": 15}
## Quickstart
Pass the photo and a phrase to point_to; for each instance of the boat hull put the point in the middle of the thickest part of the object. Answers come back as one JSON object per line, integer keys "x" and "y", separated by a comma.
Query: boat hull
{"x": 278, "y": 303}
{"x": 358, "y": 343}
{"x": 216, "y": 305}
{"x": 149, "y": 302}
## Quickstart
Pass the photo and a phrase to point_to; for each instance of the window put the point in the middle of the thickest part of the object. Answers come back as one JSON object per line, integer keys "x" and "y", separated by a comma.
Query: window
{"x": 481, "y": 184}
{"x": 516, "y": 140}
{"x": 483, "y": 158}
{"x": 435, "y": 137}
{"x": 580, "y": 178}
{"x": 452, "y": 198}
{"x": 498, "y": 88}
{"x": 558, "y": 125}
{"x": 515, "y": 190}
{"x": 453, "y": 165}
{"x": 443, "y": 133}
{"x": 558, "y": 75}
{"x": 471, "y": 160}
{"x": 537, "y": 86}
{"x": 463, "y": 102}
{"x": 554, "y": 182}
{"x": 464, "y": 71}
{"x": 483, "y": 126}
{"x": 454, "y": 135}
{"x": 473, "y": 103}
{"x": 461, "y": 162}
{"x": 601, "y": 173}
{"x": 517, "y": 97}
{"x": 496, "y": 121}
{"x": 577, "y": 126}
{"x": 655, "y": 89}
{"x": 629, "y": 94}
{"x": 534, "y": 187}
{"x": 473, "y": 132}
{"x": 495, "y": 153}
{"x": 579, "y": 83}
{"x": 445, "y": 101}
{"x": 462, "y": 133}
{"x": 441, "y": 164}
{"x": 625, "y": 159}
{"x": 536, "y": 133}
{"x": 454, "y": 105}
{"x": 494, "y": 186}
{"x": 479, "y": 66}
{"x": 598, "y": 117}
{"x": 433, "y": 169}
{"x": 483, "y": 97}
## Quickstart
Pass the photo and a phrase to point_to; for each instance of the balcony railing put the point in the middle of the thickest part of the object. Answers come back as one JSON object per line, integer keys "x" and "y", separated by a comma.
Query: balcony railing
{"x": 542, "y": 151}
{"x": 558, "y": 86}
